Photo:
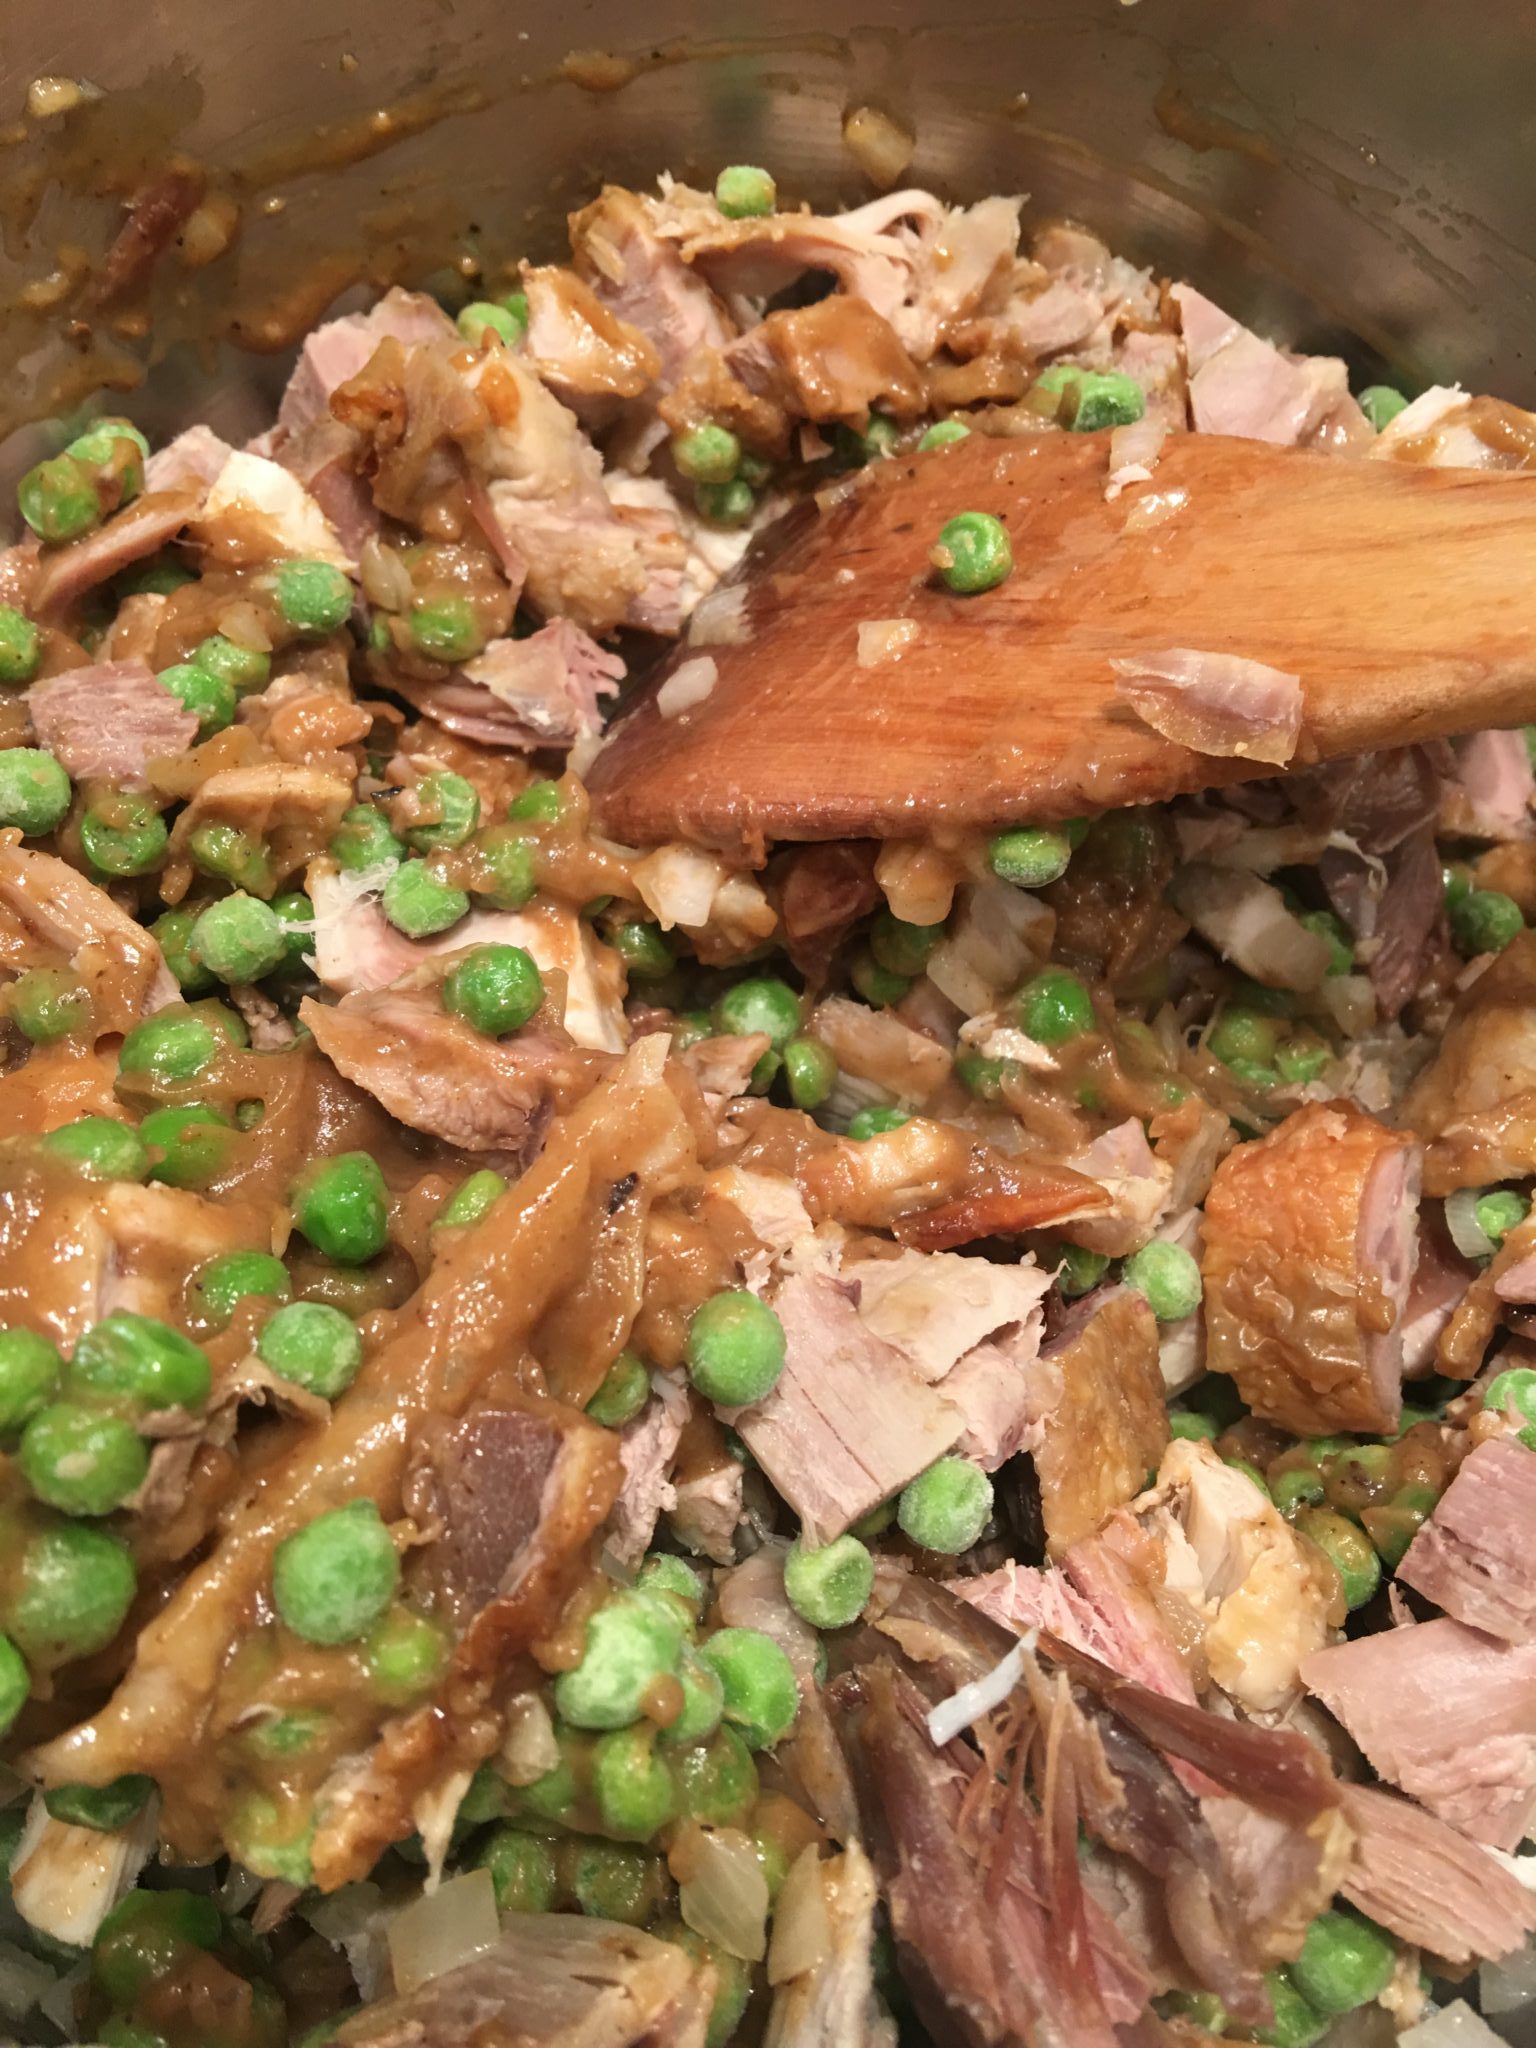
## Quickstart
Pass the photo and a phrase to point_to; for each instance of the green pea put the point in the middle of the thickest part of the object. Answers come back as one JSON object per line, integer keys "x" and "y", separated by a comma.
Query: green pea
{"x": 1381, "y": 404}
{"x": 49, "y": 1003}
{"x": 1499, "y": 1212}
{"x": 314, "y": 1345}
{"x": 244, "y": 668}
{"x": 20, "y": 648}
{"x": 496, "y": 989}
{"x": 663, "y": 1572}
{"x": 985, "y": 1079}
{"x": 296, "y": 914}
{"x": 830, "y": 1586}
{"x": 612, "y": 1881}
{"x": 1483, "y": 921}
{"x": 762, "y": 1696}
{"x": 82, "y": 1461}
{"x": 1345, "y": 1962}
{"x": 342, "y": 1207}
{"x": 230, "y": 855}
{"x": 1302, "y": 1058}
{"x": 405, "y": 1655}
{"x": 540, "y": 803}
{"x": 703, "y": 1701}
{"x": 717, "y": 1779}
{"x": 210, "y": 698}
{"x": 760, "y": 1004}
{"x": 1393, "y": 1527}
{"x": 876, "y": 1120}
{"x": 285, "y": 1735}
{"x": 470, "y": 1199}
{"x": 1347, "y": 1548}
{"x": 1105, "y": 398}
{"x": 1298, "y": 1488}
{"x": 451, "y": 805}
{"x": 160, "y": 576}
{"x": 108, "y": 439}
{"x": 58, "y": 499}
{"x": 946, "y": 1507}
{"x": 1030, "y": 857}
{"x": 644, "y": 949}
{"x": 172, "y": 932}
{"x": 34, "y": 791}
{"x": 224, "y": 1282}
{"x": 1185, "y": 1425}
{"x": 900, "y": 947}
{"x": 733, "y": 1980}
{"x": 419, "y": 903}
{"x": 1296, "y": 2023}
{"x": 631, "y": 1641}
{"x": 1054, "y": 1006}
{"x": 624, "y": 1392}
{"x": 810, "y": 1068}
{"x": 707, "y": 455}
{"x": 107, "y": 1807}
{"x": 189, "y": 1143}
{"x": 145, "y": 1936}
{"x": 446, "y": 629}
{"x": 262, "y": 1836}
{"x": 1079, "y": 1271}
{"x": 71, "y": 1593}
{"x": 1244, "y": 1037}
{"x": 633, "y": 1788}
{"x": 1324, "y": 925}
{"x": 363, "y": 840}
{"x": 312, "y": 597}
{"x": 482, "y": 317}
{"x": 942, "y": 434}
{"x": 745, "y": 191}
{"x": 1512, "y": 1392}
{"x": 239, "y": 939}
{"x": 176, "y": 1044}
{"x": 30, "y": 1372}
{"x": 522, "y": 1868}
{"x": 15, "y": 1690}
{"x": 876, "y": 984}
{"x": 1168, "y": 1276}
{"x": 973, "y": 553}
{"x": 504, "y": 859}
{"x": 124, "y": 836}
{"x": 337, "y": 1576}
{"x": 142, "y": 1360}
{"x": 735, "y": 1349}
{"x": 729, "y": 504}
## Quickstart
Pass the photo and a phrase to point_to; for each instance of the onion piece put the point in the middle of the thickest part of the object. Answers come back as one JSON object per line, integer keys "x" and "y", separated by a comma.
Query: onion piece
{"x": 802, "y": 1932}
{"x": 530, "y": 1750}
{"x": 1467, "y": 1234}
{"x": 722, "y": 1892}
{"x": 946, "y": 1720}
{"x": 1136, "y": 446}
{"x": 677, "y": 884}
{"x": 24, "y": 1982}
{"x": 385, "y": 578}
{"x": 437, "y": 1932}
{"x": 720, "y": 617}
{"x": 883, "y": 640}
{"x": 688, "y": 684}
{"x": 880, "y": 147}
{"x": 1248, "y": 923}
{"x": 1510, "y": 1985}
{"x": 1454, "y": 2026}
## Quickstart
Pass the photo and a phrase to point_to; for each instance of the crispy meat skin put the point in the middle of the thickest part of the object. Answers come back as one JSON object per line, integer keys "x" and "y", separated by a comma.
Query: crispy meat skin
{"x": 1475, "y": 1104}
{"x": 1109, "y": 1425}
{"x": 1305, "y": 1282}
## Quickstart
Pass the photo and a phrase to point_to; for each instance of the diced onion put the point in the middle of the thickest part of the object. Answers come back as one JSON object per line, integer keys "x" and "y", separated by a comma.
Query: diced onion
{"x": 1510, "y": 1985}
{"x": 688, "y": 684}
{"x": 677, "y": 884}
{"x": 23, "y": 1981}
{"x": 946, "y": 1720}
{"x": 918, "y": 880}
{"x": 384, "y": 576}
{"x": 437, "y": 1933}
{"x": 244, "y": 624}
{"x": 720, "y": 618}
{"x": 722, "y": 1892}
{"x": 802, "y": 1933}
{"x": 1351, "y": 1002}
{"x": 880, "y": 147}
{"x": 883, "y": 640}
{"x": 1467, "y": 1234}
{"x": 1455, "y": 2026}
{"x": 530, "y": 1749}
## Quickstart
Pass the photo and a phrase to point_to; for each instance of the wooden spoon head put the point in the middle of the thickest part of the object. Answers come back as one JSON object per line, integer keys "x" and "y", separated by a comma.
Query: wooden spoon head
{"x": 1401, "y": 596}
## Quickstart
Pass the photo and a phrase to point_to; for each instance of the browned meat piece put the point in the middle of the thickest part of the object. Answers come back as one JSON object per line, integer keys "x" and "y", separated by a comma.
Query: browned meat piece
{"x": 1108, "y": 1426}
{"x": 489, "y": 1299}
{"x": 722, "y": 1064}
{"x": 109, "y": 721}
{"x": 1411, "y": 1873}
{"x": 645, "y": 280}
{"x": 140, "y": 529}
{"x": 156, "y": 214}
{"x": 1473, "y": 1557}
{"x": 335, "y": 352}
{"x": 829, "y": 2004}
{"x": 647, "y": 1448}
{"x": 293, "y": 808}
{"x": 831, "y": 361}
{"x": 438, "y": 1074}
{"x": 1445, "y": 1713}
{"x": 553, "y": 1981}
{"x": 539, "y": 692}
{"x": 195, "y": 457}
{"x": 823, "y": 892}
{"x": 50, "y": 914}
{"x": 849, "y": 1422}
{"x": 875, "y": 1045}
{"x": 1475, "y": 1104}
{"x": 303, "y": 718}
{"x": 588, "y": 355}
{"x": 1309, "y": 1246}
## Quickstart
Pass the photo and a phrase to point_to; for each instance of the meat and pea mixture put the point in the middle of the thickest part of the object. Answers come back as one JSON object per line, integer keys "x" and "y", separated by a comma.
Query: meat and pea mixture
{"x": 930, "y": 1442}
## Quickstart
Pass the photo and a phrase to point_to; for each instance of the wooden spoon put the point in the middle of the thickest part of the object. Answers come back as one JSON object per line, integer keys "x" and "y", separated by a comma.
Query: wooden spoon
{"x": 1403, "y": 598}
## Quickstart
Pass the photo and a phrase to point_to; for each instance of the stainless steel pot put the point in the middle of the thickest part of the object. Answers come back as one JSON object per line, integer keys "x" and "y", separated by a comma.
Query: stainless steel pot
{"x": 1357, "y": 176}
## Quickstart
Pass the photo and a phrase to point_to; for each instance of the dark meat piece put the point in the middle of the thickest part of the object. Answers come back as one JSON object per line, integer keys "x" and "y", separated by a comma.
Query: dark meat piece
{"x": 1309, "y": 1247}
{"x": 50, "y": 914}
{"x": 157, "y": 213}
{"x": 438, "y": 1074}
{"x": 1473, "y": 1557}
{"x": 823, "y": 892}
{"x": 552, "y": 1981}
{"x": 539, "y": 692}
{"x": 109, "y": 721}
{"x": 1447, "y": 1714}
